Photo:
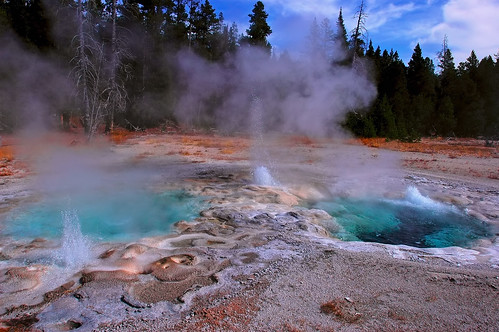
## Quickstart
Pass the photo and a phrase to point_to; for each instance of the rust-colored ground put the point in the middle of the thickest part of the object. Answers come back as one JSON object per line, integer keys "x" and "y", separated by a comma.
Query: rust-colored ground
{"x": 466, "y": 157}
{"x": 458, "y": 147}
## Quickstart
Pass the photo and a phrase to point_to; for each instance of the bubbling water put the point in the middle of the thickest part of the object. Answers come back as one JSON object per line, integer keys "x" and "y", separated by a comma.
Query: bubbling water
{"x": 75, "y": 248}
{"x": 262, "y": 177}
{"x": 109, "y": 215}
{"x": 415, "y": 220}
{"x": 414, "y": 197}
{"x": 261, "y": 174}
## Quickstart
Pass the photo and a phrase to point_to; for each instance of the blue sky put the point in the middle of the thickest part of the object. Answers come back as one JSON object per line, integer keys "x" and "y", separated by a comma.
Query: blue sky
{"x": 468, "y": 24}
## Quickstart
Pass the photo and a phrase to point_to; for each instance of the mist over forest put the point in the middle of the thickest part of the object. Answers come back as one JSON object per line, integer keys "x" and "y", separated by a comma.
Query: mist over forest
{"x": 140, "y": 64}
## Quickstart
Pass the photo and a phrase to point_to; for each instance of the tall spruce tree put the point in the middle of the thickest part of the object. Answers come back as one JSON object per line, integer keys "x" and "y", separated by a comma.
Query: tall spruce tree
{"x": 205, "y": 25}
{"x": 488, "y": 85}
{"x": 469, "y": 107}
{"x": 341, "y": 41}
{"x": 176, "y": 19}
{"x": 321, "y": 40}
{"x": 259, "y": 29}
{"x": 445, "y": 121}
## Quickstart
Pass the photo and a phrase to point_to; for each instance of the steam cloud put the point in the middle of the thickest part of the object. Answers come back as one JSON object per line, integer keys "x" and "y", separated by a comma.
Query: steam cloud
{"x": 308, "y": 97}
{"x": 32, "y": 88}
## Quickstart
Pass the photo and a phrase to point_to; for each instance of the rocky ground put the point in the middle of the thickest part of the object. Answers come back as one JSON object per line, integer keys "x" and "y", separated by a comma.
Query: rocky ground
{"x": 255, "y": 260}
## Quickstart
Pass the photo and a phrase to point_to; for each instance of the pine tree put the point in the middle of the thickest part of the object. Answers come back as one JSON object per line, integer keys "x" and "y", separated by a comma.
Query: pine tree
{"x": 321, "y": 40}
{"x": 370, "y": 50}
{"x": 205, "y": 25}
{"x": 259, "y": 30}
{"x": 384, "y": 119}
{"x": 445, "y": 119}
{"x": 326, "y": 39}
{"x": 445, "y": 122}
{"x": 448, "y": 73}
{"x": 341, "y": 41}
{"x": 469, "y": 105}
{"x": 488, "y": 85}
{"x": 314, "y": 39}
{"x": 176, "y": 19}
{"x": 421, "y": 86}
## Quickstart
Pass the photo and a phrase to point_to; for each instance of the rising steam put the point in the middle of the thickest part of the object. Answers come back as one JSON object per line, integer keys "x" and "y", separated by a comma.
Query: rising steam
{"x": 308, "y": 96}
{"x": 32, "y": 87}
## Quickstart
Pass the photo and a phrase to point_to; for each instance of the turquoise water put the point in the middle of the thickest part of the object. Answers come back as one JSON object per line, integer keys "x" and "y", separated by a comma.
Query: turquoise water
{"x": 414, "y": 220}
{"x": 119, "y": 215}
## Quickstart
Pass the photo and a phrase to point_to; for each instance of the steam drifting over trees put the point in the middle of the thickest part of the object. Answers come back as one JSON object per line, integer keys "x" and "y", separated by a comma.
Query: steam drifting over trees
{"x": 133, "y": 64}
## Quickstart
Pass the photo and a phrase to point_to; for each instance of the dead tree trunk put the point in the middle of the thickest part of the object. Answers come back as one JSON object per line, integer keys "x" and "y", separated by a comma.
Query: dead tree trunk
{"x": 359, "y": 29}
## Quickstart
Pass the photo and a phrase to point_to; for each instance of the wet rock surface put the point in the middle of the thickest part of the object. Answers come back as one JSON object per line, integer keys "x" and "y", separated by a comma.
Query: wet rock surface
{"x": 255, "y": 260}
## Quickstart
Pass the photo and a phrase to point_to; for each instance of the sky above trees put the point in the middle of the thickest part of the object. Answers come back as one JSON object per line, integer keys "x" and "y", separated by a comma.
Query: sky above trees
{"x": 398, "y": 24}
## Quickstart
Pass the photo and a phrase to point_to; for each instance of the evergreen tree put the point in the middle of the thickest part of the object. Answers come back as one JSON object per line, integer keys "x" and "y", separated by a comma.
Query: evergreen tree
{"x": 259, "y": 30}
{"x": 326, "y": 39}
{"x": 205, "y": 24}
{"x": 469, "y": 106}
{"x": 233, "y": 38}
{"x": 39, "y": 29}
{"x": 384, "y": 119}
{"x": 341, "y": 41}
{"x": 445, "y": 122}
{"x": 321, "y": 40}
{"x": 421, "y": 84}
{"x": 4, "y": 19}
{"x": 448, "y": 89}
{"x": 448, "y": 73}
{"x": 488, "y": 85}
{"x": 314, "y": 38}
{"x": 390, "y": 73}
{"x": 471, "y": 64}
{"x": 176, "y": 19}
{"x": 341, "y": 31}
{"x": 370, "y": 50}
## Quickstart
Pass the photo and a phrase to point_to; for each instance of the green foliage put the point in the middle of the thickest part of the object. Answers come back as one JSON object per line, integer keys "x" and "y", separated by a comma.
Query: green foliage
{"x": 385, "y": 119}
{"x": 413, "y": 100}
{"x": 445, "y": 122}
{"x": 259, "y": 29}
{"x": 340, "y": 37}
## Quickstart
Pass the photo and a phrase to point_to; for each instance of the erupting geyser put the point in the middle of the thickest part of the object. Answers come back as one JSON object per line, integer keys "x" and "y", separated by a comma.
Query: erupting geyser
{"x": 75, "y": 248}
{"x": 262, "y": 177}
{"x": 261, "y": 174}
{"x": 110, "y": 215}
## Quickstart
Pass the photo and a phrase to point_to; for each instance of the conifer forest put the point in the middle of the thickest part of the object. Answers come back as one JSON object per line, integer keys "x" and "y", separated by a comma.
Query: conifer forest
{"x": 114, "y": 63}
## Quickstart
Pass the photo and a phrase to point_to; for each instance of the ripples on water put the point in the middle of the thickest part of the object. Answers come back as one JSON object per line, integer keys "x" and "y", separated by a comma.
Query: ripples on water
{"x": 415, "y": 220}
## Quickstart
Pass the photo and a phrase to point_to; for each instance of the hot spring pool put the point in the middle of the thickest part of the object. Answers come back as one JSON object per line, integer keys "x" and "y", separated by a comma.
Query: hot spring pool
{"x": 415, "y": 220}
{"x": 120, "y": 215}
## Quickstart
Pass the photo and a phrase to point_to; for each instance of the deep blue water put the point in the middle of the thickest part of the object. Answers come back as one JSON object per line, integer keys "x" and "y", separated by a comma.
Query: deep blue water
{"x": 118, "y": 215}
{"x": 414, "y": 220}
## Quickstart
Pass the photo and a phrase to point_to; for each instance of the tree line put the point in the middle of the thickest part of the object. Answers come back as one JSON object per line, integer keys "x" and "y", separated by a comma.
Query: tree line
{"x": 120, "y": 53}
{"x": 421, "y": 100}
{"x": 119, "y": 56}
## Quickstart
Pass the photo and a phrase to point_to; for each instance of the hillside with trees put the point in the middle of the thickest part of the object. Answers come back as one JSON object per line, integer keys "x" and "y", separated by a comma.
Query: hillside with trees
{"x": 117, "y": 63}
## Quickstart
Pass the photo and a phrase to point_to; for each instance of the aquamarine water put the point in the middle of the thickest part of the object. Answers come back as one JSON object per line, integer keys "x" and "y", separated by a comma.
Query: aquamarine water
{"x": 114, "y": 215}
{"x": 414, "y": 220}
